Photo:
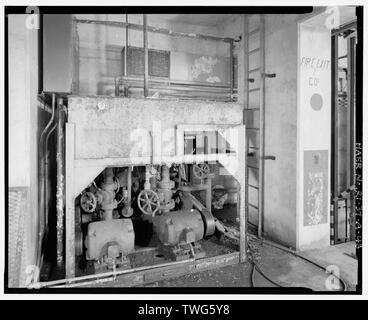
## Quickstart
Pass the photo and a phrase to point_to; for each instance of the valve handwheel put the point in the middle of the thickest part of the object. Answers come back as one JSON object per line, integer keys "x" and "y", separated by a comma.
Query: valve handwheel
{"x": 201, "y": 170}
{"x": 148, "y": 202}
{"x": 88, "y": 202}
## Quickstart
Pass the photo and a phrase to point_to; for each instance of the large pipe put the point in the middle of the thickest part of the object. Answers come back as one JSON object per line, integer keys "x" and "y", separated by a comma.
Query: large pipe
{"x": 60, "y": 186}
{"x": 42, "y": 180}
{"x": 108, "y": 194}
{"x": 40, "y": 53}
{"x": 126, "y": 46}
{"x": 231, "y": 45}
{"x": 46, "y": 191}
{"x": 115, "y": 273}
{"x": 145, "y": 46}
{"x": 261, "y": 127}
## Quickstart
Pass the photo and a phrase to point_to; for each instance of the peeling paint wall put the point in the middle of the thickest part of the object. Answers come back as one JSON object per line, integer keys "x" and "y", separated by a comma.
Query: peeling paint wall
{"x": 100, "y": 52}
{"x": 121, "y": 127}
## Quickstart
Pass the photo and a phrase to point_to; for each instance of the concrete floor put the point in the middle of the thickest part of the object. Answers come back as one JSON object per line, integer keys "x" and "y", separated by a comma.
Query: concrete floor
{"x": 342, "y": 256}
{"x": 283, "y": 268}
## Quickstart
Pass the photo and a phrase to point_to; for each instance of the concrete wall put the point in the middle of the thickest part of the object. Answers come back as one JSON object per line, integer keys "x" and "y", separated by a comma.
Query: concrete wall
{"x": 57, "y": 52}
{"x": 280, "y": 120}
{"x": 100, "y": 51}
{"x": 291, "y": 127}
{"x": 281, "y": 128}
{"x": 108, "y": 127}
{"x": 314, "y": 134}
{"x": 23, "y": 142}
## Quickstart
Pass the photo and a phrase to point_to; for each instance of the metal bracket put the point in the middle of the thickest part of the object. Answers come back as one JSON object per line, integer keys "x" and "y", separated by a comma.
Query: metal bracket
{"x": 238, "y": 38}
{"x": 269, "y": 158}
{"x": 269, "y": 75}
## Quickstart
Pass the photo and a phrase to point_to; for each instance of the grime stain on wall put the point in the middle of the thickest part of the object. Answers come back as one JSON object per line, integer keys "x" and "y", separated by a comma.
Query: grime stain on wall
{"x": 315, "y": 187}
{"x": 204, "y": 66}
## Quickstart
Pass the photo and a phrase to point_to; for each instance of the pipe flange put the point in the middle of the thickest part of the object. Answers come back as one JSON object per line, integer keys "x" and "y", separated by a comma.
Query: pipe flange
{"x": 167, "y": 185}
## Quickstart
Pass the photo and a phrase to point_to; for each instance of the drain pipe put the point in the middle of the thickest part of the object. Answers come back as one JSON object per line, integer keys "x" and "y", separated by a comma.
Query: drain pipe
{"x": 46, "y": 189}
{"x": 60, "y": 186}
{"x": 42, "y": 179}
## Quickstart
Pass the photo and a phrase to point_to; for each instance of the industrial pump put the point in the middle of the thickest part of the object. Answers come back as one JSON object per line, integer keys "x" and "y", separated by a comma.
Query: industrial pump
{"x": 179, "y": 219}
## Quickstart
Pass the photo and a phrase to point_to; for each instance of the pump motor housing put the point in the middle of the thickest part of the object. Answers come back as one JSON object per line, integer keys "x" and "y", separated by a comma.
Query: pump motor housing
{"x": 104, "y": 235}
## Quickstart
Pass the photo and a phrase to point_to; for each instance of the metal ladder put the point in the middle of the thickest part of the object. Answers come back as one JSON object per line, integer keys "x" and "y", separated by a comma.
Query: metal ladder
{"x": 254, "y": 83}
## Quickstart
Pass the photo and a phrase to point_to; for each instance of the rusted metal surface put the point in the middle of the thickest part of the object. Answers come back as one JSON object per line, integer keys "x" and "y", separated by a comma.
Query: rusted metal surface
{"x": 42, "y": 182}
{"x": 60, "y": 175}
{"x": 111, "y": 127}
{"x": 69, "y": 201}
{"x": 143, "y": 275}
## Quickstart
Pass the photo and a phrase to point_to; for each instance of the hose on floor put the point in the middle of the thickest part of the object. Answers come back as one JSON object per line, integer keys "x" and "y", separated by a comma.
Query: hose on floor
{"x": 270, "y": 243}
{"x": 256, "y": 267}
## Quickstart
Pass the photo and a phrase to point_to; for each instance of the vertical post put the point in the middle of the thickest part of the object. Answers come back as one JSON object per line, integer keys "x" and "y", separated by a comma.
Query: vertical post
{"x": 231, "y": 45}
{"x": 75, "y": 55}
{"x": 126, "y": 46}
{"x": 351, "y": 131}
{"x": 145, "y": 47}
{"x": 243, "y": 148}
{"x": 242, "y": 179}
{"x": 334, "y": 127}
{"x": 60, "y": 186}
{"x": 261, "y": 125}
{"x": 69, "y": 202}
{"x": 129, "y": 187}
{"x": 40, "y": 53}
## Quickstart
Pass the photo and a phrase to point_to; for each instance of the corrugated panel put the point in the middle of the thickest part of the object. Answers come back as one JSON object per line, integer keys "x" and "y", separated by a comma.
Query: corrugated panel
{"x": 16, "y": 210}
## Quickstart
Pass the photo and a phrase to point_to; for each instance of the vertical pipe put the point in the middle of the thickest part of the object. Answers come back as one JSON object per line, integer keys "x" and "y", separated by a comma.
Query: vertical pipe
{"x": 60, "y": 186}
{"x": 129, "y": 188}
{"x": 243, "y": 217}
{"x": 351, "y": 132}
{"x": 69, "y": 200}
{"x": 348, "y": 115}
{"x": 46, "y": 174}
{"x": 334, "y": 167}
{"x": 145, "y": 46}
{"x": 208, "y": 183}
{"x": 261, "y": 126}
{"x": 42, "y": 181}
{"x": 75, "y": 54}
{"x": 40, "y": 54}
{"x": 126, "y": 46}
{"x": 231, "y": 45}
{"x": 333, "y": 162}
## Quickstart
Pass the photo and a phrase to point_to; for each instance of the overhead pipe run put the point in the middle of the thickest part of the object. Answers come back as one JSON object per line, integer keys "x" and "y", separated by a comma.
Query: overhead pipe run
{"x": 167, "y": 32}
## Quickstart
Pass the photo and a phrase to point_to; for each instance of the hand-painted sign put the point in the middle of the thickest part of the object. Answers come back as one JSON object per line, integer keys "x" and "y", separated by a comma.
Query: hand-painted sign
{"x": 315, "y": 187}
